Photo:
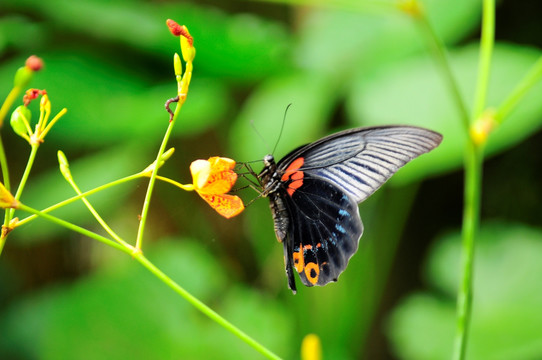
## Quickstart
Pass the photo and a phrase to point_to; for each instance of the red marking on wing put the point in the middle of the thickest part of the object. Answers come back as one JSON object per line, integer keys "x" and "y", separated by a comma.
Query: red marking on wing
{"x": 295, "y": 175}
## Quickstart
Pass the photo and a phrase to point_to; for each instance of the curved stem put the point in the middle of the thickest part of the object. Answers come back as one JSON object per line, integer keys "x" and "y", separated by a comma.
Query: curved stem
{"x": 97, "y": 216}
{"x": 75, "y": 228}
{"x": 204, "y": 308}
{"x": 441, "y": 58}
{"x": 533, "y": 77}
{"x": 78, "y": 197}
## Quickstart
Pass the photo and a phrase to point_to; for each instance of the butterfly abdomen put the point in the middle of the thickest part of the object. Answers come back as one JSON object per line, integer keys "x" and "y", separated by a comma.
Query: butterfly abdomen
{"x": 280, "y": 216}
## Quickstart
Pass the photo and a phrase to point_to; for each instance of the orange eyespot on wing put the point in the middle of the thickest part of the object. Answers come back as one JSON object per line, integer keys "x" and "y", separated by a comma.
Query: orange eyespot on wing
{"x": 299, "y": 261}
{"x": 312, "y": 271}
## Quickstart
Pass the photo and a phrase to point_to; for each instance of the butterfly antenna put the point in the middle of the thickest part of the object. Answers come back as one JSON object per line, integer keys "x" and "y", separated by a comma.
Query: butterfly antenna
{"x": 259, "y": 135}
{"x": 281, "y": 128}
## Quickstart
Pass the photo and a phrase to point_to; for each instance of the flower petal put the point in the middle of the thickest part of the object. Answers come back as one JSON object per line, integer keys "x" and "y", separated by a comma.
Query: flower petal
{"x": 226, "y": 205}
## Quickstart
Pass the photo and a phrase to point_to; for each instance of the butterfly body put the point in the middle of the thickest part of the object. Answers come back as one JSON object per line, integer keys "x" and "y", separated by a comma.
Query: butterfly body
{"x": 314, "y": 193}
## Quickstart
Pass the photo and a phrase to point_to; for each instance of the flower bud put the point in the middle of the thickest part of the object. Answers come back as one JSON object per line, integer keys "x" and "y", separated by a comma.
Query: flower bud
{"x": 6, "y": 199}
{"x": 482, "y": 127}
{"x": 177, "y": 65}
{"x": 23, "y": 75}
{"x": 64, "y": 165}
{"x": 187, "y": 46}
{"x": 174, "y": 27}
{"x": 34, "y": 63}
{"x": 45, "y": 104}
{"x": 20, "y": 120}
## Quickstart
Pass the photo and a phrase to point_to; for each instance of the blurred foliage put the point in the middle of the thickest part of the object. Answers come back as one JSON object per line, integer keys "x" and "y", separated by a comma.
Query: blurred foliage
{"x": 350, "y": 64}
{"x": 506, "y": 318}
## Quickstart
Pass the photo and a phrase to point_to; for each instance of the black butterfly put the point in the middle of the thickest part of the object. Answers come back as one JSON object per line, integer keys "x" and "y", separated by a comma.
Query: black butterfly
{"x": 315, "y": 191}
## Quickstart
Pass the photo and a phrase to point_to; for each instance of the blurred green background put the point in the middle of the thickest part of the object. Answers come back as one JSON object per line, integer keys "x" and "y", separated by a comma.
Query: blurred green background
{"x": 348, "y": 64}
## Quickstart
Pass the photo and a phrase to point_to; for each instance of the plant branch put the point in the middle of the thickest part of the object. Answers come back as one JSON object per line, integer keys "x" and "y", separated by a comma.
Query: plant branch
{"x": 75, "y": 228}
{"x": 472, "y": 193}
{"x": 204, "y": 308}
{"x": 533, "y": 77}
{"x": 441, "y": 57}
{"x": 82, "y": 195}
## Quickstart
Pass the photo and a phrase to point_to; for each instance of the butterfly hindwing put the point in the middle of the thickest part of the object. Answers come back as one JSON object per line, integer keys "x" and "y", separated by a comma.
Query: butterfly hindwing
{"x": 324, "y": 233}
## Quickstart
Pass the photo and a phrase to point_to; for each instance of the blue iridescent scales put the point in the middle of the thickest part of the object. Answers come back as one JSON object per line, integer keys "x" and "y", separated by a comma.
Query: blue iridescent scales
{"x": 315, "y": 191}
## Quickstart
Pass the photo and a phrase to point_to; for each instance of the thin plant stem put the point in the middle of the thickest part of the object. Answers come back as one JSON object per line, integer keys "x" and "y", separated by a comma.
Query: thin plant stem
{"x": 471, "y": 222}
{"x": 27, "y": 170}
{"x": 484, "y": 63}
{"x": 82, "y": 195}
{"x": 152, "y": 181}
{"x": 186, "y": 187}
{"x": 441, "y": 57}
{"x": 473, "y": 189}
{"x": 8, "y": 215}
{"x": 75, "y": 228}
{"x": 97, "y": 216}
{"x": 204, "y": 308}
{"x": 533, "y": 76}
{"x": 4, "y": 166}
{"x": 10, "y": 99}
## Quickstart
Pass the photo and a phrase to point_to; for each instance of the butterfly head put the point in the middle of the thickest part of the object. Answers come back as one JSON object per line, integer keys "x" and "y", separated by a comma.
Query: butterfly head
{"x": 268, "y": 160}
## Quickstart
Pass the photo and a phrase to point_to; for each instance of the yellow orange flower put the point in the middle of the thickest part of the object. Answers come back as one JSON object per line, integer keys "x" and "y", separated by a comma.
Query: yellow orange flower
{"x": 213, "y": 178}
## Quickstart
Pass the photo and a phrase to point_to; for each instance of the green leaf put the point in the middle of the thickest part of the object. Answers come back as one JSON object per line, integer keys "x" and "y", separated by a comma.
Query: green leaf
{"x": 344, "y": 42}
{"x": 506, "y": 317}
{"x": 413, "y": 92}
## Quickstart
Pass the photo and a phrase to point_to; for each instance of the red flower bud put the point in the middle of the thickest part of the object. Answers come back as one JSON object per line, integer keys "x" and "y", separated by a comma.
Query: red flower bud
{"x": 175, "y": 28}
{"x": 34, "y": 63}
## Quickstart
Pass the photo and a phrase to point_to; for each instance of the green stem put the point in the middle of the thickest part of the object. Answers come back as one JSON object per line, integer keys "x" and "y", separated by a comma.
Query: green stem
{"x": 6, "y": 105}
{"x": 97, "y": 216}
{"x": 5, "y": 175}
{"x": 471, "y": 222}
{"x": 26, "y": 173}
{"x": 152, "y": 181}
{"x": 85, "y": 194}
{"x": 204, "y": 308}
{"x": 4, "y": 166}
{"x": 8, "y": 215}
{"x": 75, "y": 228}
{"x": 533, "y": 76}
{"x": 484, "y": 63}
{"x": 441, "y": 58}
{"x": 473, "y": 188}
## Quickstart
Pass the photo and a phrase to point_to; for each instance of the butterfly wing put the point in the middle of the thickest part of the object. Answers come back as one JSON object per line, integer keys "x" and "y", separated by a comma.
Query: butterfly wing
{"x": 361, "y": 160}
{"x": 322, "y": 184}
{"x": 324, "y": 232}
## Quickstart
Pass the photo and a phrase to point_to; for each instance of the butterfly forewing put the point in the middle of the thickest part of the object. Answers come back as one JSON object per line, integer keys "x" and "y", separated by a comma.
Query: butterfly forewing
{"x": 317, "y": 188}
{"x": 359, "y": 161}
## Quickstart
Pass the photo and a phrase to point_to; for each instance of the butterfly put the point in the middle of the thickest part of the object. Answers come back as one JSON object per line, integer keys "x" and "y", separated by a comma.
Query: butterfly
{"x": 314, "y": 192}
